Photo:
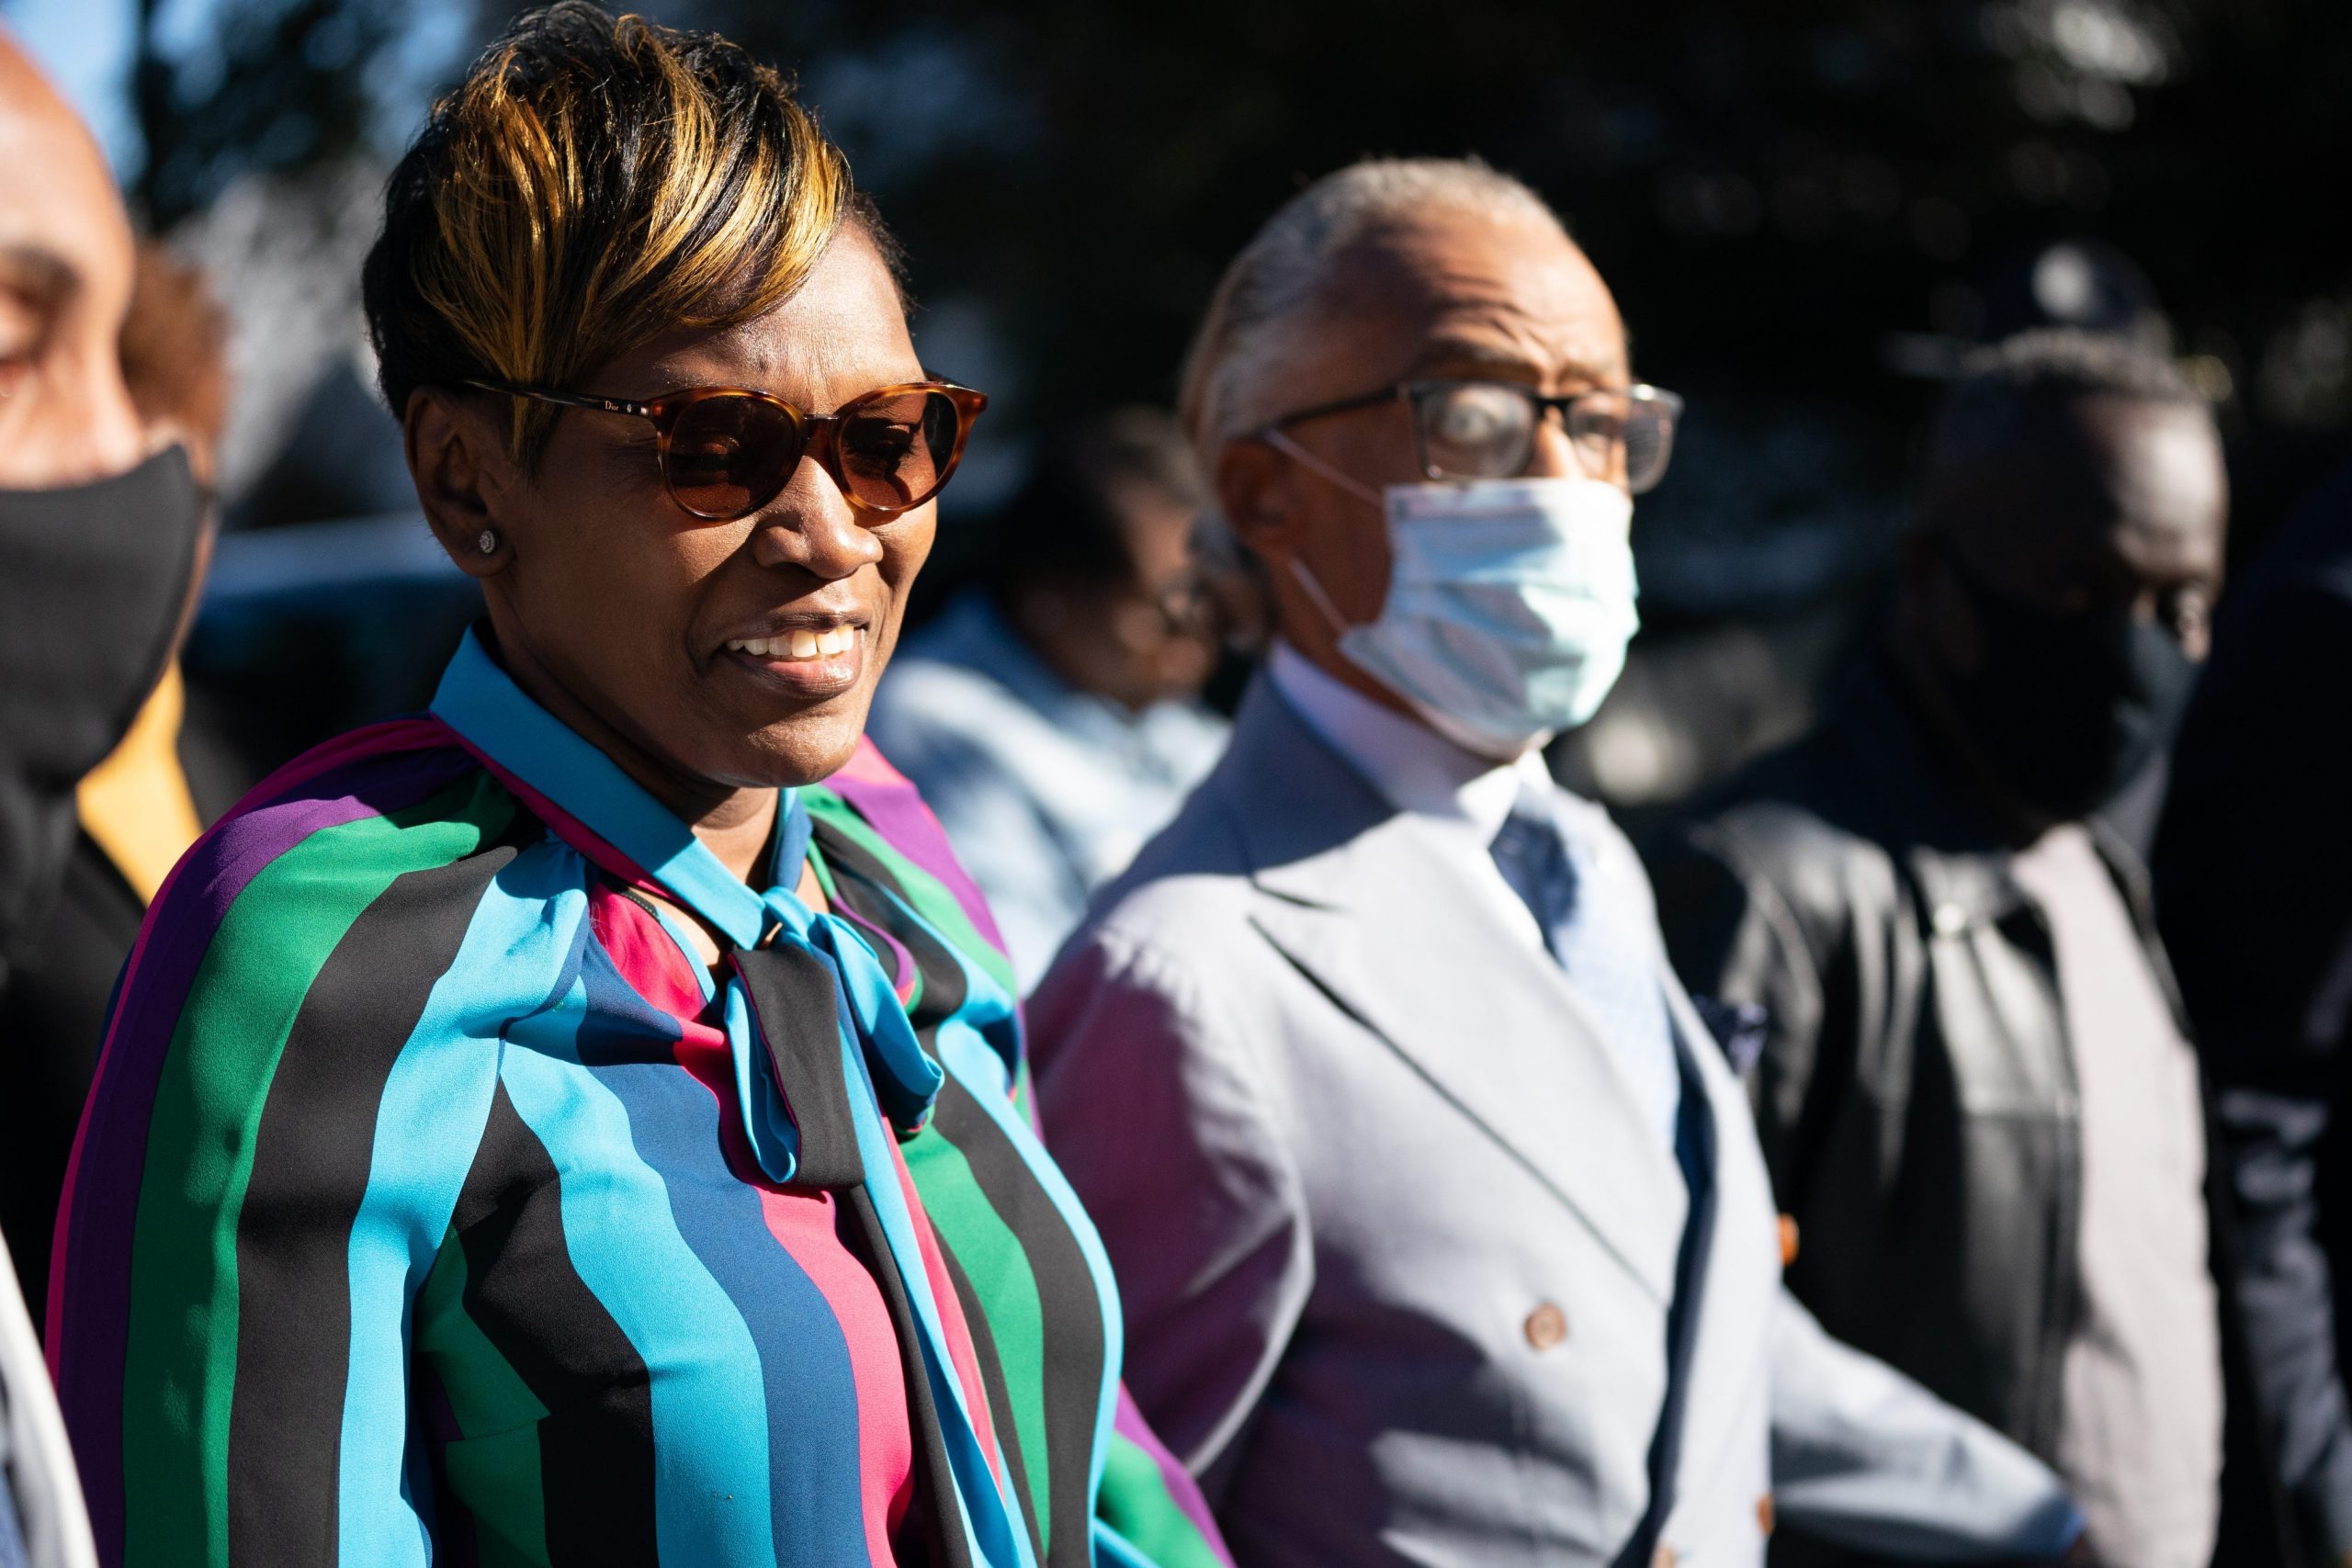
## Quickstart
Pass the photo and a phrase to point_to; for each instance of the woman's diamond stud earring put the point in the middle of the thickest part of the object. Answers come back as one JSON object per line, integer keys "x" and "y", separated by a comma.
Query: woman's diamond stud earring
{"x": 487, "y": 542}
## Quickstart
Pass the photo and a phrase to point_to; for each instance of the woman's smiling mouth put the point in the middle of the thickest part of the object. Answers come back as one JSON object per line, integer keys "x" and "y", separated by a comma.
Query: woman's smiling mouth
{"x": 808, "y": 663}
{"x": 799, "y": 644}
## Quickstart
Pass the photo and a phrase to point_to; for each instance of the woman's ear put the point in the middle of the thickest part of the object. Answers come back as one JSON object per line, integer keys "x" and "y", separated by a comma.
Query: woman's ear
{"x": 462, "y": 470}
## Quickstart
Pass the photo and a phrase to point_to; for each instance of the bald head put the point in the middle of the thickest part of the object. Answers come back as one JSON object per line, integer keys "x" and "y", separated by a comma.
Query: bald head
{"x": 65, "y": 271}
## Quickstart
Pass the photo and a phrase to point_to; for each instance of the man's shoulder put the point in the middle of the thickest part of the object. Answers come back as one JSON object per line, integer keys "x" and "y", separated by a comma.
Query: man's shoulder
{"x": 1274, "y": 798}
{"x": 1167, "y": 967}
{"x": 1796, "y": 819}
{"x": 1190, "y": 877}
{"x": 1182, "y": 907}
{"x": 1776, "y": 830}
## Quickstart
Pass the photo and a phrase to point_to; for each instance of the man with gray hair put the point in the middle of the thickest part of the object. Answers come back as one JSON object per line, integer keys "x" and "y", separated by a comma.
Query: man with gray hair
{"x": 1439, "y": 1223}
{"x": 1974, "y": 1089}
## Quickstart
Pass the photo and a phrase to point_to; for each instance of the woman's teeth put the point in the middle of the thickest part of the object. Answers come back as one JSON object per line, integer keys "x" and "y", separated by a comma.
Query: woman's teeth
{"x": 799, "y": 643}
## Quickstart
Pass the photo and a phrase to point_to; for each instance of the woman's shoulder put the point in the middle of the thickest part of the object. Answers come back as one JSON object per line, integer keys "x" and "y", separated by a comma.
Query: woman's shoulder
{"x": 297, "y": 863}
{"x": 363, "y": 800}
{"x": 341, "y": 921}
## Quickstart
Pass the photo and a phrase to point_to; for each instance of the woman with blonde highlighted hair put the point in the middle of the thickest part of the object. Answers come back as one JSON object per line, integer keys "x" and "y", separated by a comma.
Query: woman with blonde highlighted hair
{"x": 587, "y": 1122}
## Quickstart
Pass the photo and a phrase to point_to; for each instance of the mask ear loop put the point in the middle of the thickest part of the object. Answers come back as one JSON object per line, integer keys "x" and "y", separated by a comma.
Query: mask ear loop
{"x": 1281, "y": 442}
{"x": 1320, "y": 600}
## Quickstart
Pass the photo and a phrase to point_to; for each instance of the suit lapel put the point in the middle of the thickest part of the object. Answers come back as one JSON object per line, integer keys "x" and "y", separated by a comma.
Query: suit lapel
{"x": 1377, "y": 910}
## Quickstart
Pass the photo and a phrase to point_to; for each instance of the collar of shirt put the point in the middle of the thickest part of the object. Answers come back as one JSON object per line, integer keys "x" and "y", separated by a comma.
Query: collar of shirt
{"x": 560, "y": 773}
{"x": 136, "y": 804}
{"x": 565, "y": 779}
{"x": 1414, "y": 768}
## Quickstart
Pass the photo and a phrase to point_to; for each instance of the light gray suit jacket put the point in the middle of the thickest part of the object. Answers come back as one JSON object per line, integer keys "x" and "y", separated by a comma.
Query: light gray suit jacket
{"x": 1397, "y": 1253}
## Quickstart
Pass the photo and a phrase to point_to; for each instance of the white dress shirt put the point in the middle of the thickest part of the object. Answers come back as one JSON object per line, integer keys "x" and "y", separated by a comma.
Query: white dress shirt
{"x": 1416, "y": 770}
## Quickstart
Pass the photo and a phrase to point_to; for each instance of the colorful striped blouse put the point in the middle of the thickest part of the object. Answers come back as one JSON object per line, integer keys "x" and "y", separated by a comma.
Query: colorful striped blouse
{"x": 436, "y": 1204}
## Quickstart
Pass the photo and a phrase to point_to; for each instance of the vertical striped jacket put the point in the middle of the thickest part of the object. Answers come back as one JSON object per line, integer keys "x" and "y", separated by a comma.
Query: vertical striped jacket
{"x": 434, "y": 1203}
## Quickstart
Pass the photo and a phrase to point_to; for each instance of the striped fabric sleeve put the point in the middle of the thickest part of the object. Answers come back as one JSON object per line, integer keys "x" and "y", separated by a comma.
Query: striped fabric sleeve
{"x": 229, "y": 1320}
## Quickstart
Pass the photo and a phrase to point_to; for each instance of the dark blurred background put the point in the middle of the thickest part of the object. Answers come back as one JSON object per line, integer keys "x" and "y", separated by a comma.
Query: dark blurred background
{"x": 1809, "y": 210}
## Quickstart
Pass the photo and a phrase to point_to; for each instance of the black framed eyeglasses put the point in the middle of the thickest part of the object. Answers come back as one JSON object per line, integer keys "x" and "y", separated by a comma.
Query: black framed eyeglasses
{"x": 728, "y": 451}
{"x": 1486, "y": 429}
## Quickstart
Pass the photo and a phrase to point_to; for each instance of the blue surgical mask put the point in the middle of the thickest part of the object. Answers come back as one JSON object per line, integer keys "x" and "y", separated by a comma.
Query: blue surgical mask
{"x": 1509, "y": 603}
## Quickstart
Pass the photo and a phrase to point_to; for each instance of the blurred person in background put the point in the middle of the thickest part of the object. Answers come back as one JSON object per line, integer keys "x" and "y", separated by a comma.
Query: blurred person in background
{"x": 100, "y": 531}
{"x": 1440, "y": 1228}
{"x": 2254, "y": 874}
{"x": 1974, "y": 1089}
{"x": 135, "y": 813}
{"x": 583, "y": 1124}
{"x": 1052, "y": 717}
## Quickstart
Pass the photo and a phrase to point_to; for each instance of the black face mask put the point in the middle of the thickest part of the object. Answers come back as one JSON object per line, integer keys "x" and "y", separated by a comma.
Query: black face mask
{"x": 93, "y": 579}
{"x": 2069, "y": 709}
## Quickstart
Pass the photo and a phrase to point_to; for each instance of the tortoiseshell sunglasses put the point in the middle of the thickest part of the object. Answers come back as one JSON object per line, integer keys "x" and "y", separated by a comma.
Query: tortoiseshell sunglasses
{"x": 727, "y": 451}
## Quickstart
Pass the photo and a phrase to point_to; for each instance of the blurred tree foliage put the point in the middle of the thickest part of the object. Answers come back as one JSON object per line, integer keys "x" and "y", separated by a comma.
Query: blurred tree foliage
{"x": 1773, "y": 189}
{"x": 263, "y": 86}
{"x": 1802, "y": 204}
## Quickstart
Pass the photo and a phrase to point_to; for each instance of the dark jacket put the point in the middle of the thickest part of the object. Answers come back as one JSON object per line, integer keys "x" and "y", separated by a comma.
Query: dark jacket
{"x": 52, "y": 1018}
{"x": 1915, "y": 1091}
{"x": 2254, "y": 867}
{"x": 53, "y": 1007}
{"x": 1913, "y": 1084}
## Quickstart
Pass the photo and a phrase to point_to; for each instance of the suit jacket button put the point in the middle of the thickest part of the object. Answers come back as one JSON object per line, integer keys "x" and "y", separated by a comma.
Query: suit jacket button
{"x": 1764, "y": 1516}
{"x": 1546, "y": 1326}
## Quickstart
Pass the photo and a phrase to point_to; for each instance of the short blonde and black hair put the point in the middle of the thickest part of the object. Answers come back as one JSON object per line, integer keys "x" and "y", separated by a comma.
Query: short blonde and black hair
{"x": 592, "y": 184}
